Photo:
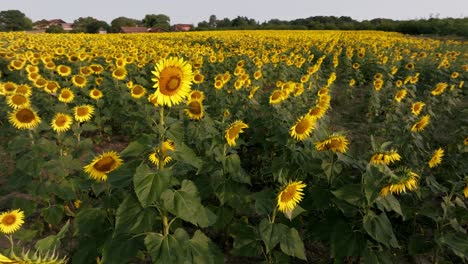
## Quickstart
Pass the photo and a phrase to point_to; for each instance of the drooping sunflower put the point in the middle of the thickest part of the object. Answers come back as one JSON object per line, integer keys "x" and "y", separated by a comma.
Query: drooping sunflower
{"x": 173, "y": 80}
{"x": 276, "y": 97}
{"x": 317, "y": 112}
{"x": 11, "y": 221}
{"x": 102, "y": 165}
{"x": 233, "y": 131}
{"x": 24, "y": 118}
{"x": 335, "y": 143}
{"x": 421, "y": 124}
{"x": 385, "y": 157}
{"x": 436, "y": 158}
{"x": 96, "y": 94}
{"x": 439, "y": 89}
{"x": 290, "y": 196}
{"x": 61, "y": 122}
{"x": 406, "y": 180}
{"x": 137, "y": 91}
{"x": 195, "y": 109}
{"x": 83, "y": 113}
{"x": 66, "y": 95}
{"x": 79, "y": 81}
{"x": 156, "y": 155}
{"x": 63, "y": 70}
{"x": 400, "y": 95}
{"x": 417, "y": 107}
{"x": 303, "y": 127}
{"x": 253, "y": 92}
{"x": 16, "y": 101}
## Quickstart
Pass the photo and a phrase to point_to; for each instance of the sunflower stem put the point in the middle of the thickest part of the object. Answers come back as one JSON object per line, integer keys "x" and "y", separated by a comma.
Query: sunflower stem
{"x": 273, "y": 217}
{"x": 10, "y": 238}
{"x": 161, "y": 138}
{"x": 31, "y": 136}
{"x": 166, "y": 225}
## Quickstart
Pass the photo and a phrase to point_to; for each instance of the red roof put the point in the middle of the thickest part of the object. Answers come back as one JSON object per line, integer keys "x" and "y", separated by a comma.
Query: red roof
{"x": 133, "y": 30}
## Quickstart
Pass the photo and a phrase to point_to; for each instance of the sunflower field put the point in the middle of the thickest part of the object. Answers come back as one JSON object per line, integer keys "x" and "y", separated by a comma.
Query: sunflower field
{"x": 233, "y": 146}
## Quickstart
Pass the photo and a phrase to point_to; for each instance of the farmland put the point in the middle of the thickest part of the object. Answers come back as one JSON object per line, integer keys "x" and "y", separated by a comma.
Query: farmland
{"x": 202, "y": 147}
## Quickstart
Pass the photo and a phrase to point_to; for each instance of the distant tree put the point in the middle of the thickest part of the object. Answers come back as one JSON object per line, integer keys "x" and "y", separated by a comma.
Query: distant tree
{"x": 89, "y": 25}
{"x": 212, "y": 21}
{"x": 225, "y": 23}
{"x": 55, "y": 29}
{"x": 161, "y": 21}
{"x": 14, "y": 20}
{"x": 118, "y": 23}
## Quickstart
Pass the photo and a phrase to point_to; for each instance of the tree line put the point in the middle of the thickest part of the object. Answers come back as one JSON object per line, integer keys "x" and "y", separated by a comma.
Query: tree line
{"x": 15, "y": 20}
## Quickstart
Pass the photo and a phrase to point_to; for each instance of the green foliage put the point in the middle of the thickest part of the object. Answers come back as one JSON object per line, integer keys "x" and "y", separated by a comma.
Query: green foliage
{"x": 14, "y": 20}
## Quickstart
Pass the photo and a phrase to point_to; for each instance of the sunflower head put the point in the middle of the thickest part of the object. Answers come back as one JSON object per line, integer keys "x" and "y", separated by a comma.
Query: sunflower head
{"x": 102, "y": 165}
{"x": 405, "y": 180}
{"x": 335, "y": 143}
{"x": 290, "y": 196}
{"x": 303, "y": 127}
{"x": 195, "y": 109}
{"x": 436, "y": 158}
{"x": 173, "y": 80}
{"x": 61, "y": 122}
{"x": 137, "y": 91}
{"x": 417, "y": 107}
{"x": 161, "y": 153}
{"x": 24, "y": 118}
{"x": 233, "y": 131}
{"x": 96, "y": 94}
{"x": 11, "y": 221}
{"x": 421, "y": 124}
{"x": 66, "y": 95}
{"x": 83, "y": 113}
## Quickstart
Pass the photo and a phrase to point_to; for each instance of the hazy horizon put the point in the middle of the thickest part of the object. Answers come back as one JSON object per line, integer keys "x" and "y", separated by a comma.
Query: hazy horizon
{"x": 193, "y": 12}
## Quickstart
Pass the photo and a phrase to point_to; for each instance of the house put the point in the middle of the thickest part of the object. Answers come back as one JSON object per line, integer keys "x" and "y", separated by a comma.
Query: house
{"x": 156, "y": 30}
{"x": 133, "y": 30}
{"x": 182, "y": 27}
{"x": 43, "y": 24}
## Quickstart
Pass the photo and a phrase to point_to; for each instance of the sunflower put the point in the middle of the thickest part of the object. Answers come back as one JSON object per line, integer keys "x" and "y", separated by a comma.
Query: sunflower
{"x": 406, "y": 180}
{"x": 96, "y": 68}
{"x": 197, "y": 95}
{"x": 102, "y": 165}
{"x": 63, "y": 70}
{"x": 79, "y": 81}
{"x": 400, "y": 95}
{"x": 385, "y": 157}
{"x": 11, "y": 221}
{"x": 66, "y": 95}
{"x": 335, "y": 143}
{"x": 352, "y": 82}
{"x": 33, "y": 76}
{"x": 454, "y": 75}
{"x": 51, "y": 87}
{"x": 61, "y": 122}
{"x": 409, "y": 66}
{"x": 16, "y": 101}
{"x": 276, "y": 97}
{"x": 173, "y": 80}
{"x": 9, "y": 88}
{"x": 436, "y": 158}
{"x": 137, "y": 91}
{"x": 439, "y": 89}
{"x": 83, "y": 113}
{"x": 24, "y": 118}
{"x": 465, "y": 141}
{"x": 257, "y": 74}
{"x": 289, "y": 197}
{"x": 198, "y": 78}
{"x": 17, "y": 64}
{"x": 24, "y": 90}
{"x": 317, "y": 112}
{"x": 119, "y": 73}
{"x": 356, "y": 65}
{"x": 155, "y": 157}
{"x": 233, "y": 131}
{"x": 465, "y": 190}
{"x": 195, "y": 109}
{"x": 303, "y": 127}
{"x": 417, "y": 107}
{"x": 32, "y": 68}
{"x": 378, "y": 84}
{"x": 421, "y": 124}
{"x": 96, "y": 94}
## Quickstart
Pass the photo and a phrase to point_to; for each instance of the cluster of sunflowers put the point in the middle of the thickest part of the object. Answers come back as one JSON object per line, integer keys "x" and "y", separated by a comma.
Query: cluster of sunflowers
{"x": 227, "y": 81}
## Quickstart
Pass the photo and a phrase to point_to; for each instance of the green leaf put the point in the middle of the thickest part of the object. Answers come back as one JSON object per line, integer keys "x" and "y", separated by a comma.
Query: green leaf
{"x": 264, "y": 201}
{"x": 53, "y": 241}
{"x": 90, "y": 221}
{"x": 205, "y": 217}
{"x": 272, "y": 234}
{"x": 389, "y": 203}
{"x": 344, "y": 241}
{"x": 457, "y": 242}
{"x": 292, "y": 244}
{"x": 419, "y": 245}
{"x": 380, "y": 229}
{"x": 233, "y": 168}
{"x": 164, "y": 249}
{"x": 246, "y": 242}
{"x": 53, "y": 215}
{"x": 132, "y": 218}
{"x": 376, "y": 257}
{"x": 121, "y": 249}
{"x": 202, "y": 251}
{"x": 350, "y": 193}
{"x": 137, "y": 147}
{"x": 187, "y": 155}
{"x": 65, "y": 190}
{"x": 149, "y": 185}
{"x": 224, "y": 216}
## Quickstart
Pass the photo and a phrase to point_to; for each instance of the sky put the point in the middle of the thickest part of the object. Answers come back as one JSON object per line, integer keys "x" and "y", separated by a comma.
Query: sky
{"x": 195, "y": 11}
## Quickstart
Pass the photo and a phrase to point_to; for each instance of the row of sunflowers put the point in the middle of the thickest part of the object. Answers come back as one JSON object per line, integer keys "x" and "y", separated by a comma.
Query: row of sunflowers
{"x": 207, "y": 147}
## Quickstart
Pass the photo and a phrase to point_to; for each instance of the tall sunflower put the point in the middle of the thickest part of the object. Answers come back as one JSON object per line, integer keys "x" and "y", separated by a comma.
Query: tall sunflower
{"x": 156, "y": 155}
{"x": 290, "y": 196}
{"x": 83, "y": 113}
{"x": 335, "y": 143}
{"x": 233, "y": 131}
{"x": 102, "y": 165}
{"x": 417, "y": 107}
{"x": 24, "y": 118}
{"x": 421, "y": 124}
{"x": 406, "y": 180}
{"x": 173, "y": 80}
{"x": 436, "y": 158}
{"x": 61, "y": 122}
{"x": 11, "y": 221}
{"x": 303, "y": 127}
{"x": 195, "y": 109}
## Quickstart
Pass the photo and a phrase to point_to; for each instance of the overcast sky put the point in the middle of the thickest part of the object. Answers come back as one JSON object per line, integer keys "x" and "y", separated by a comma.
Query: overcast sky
{"x": 194, "y": 11}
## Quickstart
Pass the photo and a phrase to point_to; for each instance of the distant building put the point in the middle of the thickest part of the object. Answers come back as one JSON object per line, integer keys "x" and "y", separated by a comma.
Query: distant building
{"x": 43, "y": 24}
{"x": 156, "y": 30}
{"x": 133, "y": 30}
{"x": 182, "y": 27}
